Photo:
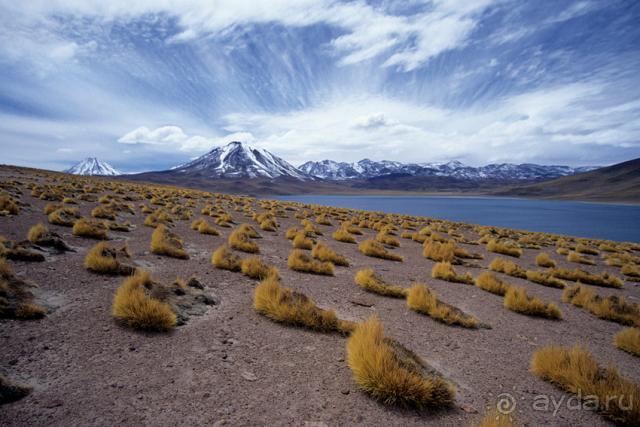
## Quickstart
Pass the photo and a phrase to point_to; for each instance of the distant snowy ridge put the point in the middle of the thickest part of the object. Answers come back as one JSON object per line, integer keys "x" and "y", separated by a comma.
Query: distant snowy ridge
{"x": 93, "y": 166}
{"x": 239, "y": 160}
{"x": 331, "y": 170}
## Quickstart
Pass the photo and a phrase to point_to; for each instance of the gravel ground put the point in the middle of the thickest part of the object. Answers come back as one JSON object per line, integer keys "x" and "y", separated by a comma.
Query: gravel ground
{"x": 232, "y": 366}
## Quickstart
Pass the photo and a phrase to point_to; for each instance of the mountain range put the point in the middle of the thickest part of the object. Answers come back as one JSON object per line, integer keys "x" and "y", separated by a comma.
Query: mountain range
{"x": 240, "y": 168}
{"x": 239, "y": 160}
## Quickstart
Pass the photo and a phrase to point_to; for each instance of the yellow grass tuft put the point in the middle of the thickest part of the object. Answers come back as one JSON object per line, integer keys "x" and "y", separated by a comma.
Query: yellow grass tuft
{"x": 300, "y": 261}
{"x": 605, "y": 280}
{"x": 505, "y": 248}
{"x": 164, "y": 242}
{"x": 545, "y": 278}
{"x": 254, "y": 268}
{"x": 544, "y": 260}
{"x": 286, "y": 306}
{"x": 240, "y": 240}
{"x": 421, "y": 299}
{"x": 576, "y": 371}
{"x": 323, "y": 252}
{"x": 495, "y": 418}
{"x": 507, "y": 267}
{"x": 516, "y": 299}
{"x": 133, "y": 306}
{"x": 104, "y": 259}
{"x": 613, "y": 308}
{"x": 224, "y": 259}
{"x": 63, "y": 216}
{"x": 343, "y": 235}
{"x": 628, "y": 340}
{"x": 203, "y": 227}
{"x": 302, "y": 242}
{"x": 36, "y": 232}
{"x": 445, "y": 271}
{"x": 370, "y": 281}
{"x": 631, "y": 270}
{"x": 95, "y": 229}
{"x": 387, "y": 239}
{"x": 575, "y": 257}
{"x": 392, "y": 374}
{"x": 375, "y": 249}
{"x": 489, "y": 282}
{"x": 439, "y": 252}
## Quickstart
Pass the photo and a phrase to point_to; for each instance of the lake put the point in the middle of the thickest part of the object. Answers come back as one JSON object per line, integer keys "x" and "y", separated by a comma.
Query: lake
{"x": 595, "y": 220}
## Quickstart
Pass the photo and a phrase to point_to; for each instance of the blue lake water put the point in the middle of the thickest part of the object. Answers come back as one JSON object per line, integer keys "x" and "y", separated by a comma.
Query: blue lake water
{"x": 595, "y": 220}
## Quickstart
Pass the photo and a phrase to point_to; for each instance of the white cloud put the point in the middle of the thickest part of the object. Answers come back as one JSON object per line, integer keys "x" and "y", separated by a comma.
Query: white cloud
{"x": 407, "y": 41}
{"x": 518, "y": 128}
{"x": 175, "y": 137}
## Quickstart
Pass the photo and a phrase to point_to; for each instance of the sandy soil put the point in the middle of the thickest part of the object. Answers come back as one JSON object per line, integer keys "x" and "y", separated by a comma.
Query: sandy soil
{"x": 233, "y": 366}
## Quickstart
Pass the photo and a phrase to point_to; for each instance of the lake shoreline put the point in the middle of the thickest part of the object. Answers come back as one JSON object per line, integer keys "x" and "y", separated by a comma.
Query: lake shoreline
{"x": 587, "y": 219}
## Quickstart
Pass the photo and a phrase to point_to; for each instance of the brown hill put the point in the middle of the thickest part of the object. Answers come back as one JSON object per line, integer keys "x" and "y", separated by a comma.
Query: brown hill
{"x": 619, "y": 183}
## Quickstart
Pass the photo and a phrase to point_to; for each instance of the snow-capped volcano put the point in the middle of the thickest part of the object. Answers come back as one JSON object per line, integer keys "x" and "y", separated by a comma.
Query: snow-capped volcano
{"x": 239, "y": 160}
{"x": 93, "y": 166}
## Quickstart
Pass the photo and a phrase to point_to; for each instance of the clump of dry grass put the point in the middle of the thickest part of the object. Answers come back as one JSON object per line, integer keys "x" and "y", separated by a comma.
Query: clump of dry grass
{"x": 439, "y": 252}
{"x": 544, "y": 260}
{"x": 604, "y": 280}
{"x": 286, "y": 306}
{"x": 575, "y": 257}
{"x": 134, "y": 306}
{"x": 203, "y": 227}
{"x": 489, "y": 282}
{"x": 495, "y": 418}
{"x": 516, "y": 299}
{"x": 8, "y": 206}
{"x": 300, "y": 241}
{"x": 368, "y": 280}
{"x": 240, "y": 240}
{"x": 507, "y": 267}
{"x": 104, "y": 212}
{"x": 545, "y": 278}
{"x": 63, "y": 216}
{"x": 224, "y": 259}
{"x": 445, "y": 271}
{"x": 576, "y": 371}
{"x": 375, "y": 249}
{"x": 255, "y": 268}
{"x": 421, "y": 299}
{"x": 505, "y": 248}
{"x": 11, "y": 391}
{"x": 323, "y": 252}
{"x": 343, "y": 235}
{"x": 16, "y": 300}
{"x": 392, "y": 374}
{"x": 300, "y": 261}
{"x": 632, "y": 271}
{"x": 92, "y": 228}
{"x": 613, "y": 308}
{"x": 164, "y": 242}
{"x": 628, "y": 340}
{"x": 249, "y": 231}
{"x": 387, "y": 239}
{"x": 586, "y": 249}
{"x": 104, "y": 259}
{"x": 323, "y": 220}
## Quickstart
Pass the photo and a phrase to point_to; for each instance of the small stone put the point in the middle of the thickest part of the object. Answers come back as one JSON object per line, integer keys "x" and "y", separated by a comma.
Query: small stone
{"x": 54, "y": 404}
{"x": 345, "y": 391}
{"x": 249, "y": 376}
{"x": 468, "y": 408}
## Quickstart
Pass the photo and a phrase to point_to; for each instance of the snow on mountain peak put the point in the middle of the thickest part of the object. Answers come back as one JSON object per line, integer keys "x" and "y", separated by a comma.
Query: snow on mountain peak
{"x": 93, "y": 166}
{"x": 240, "y": 160}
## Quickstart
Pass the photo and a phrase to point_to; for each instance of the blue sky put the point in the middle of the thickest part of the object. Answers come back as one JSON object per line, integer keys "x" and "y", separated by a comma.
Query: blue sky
{"x": 149, "y": 84}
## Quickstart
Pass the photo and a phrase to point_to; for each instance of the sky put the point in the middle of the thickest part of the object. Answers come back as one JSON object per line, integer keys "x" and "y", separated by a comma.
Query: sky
{"x": 149, "y": 84}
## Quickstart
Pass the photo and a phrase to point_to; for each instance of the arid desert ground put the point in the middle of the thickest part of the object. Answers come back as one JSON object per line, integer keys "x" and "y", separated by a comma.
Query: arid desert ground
{"x": 75, "y": 336}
